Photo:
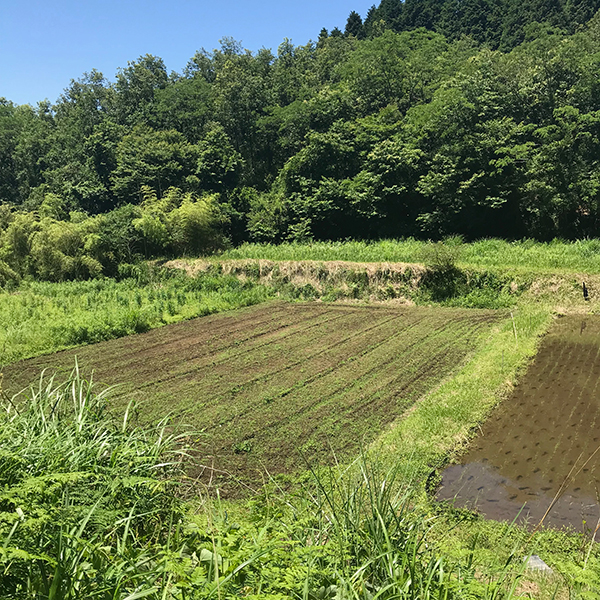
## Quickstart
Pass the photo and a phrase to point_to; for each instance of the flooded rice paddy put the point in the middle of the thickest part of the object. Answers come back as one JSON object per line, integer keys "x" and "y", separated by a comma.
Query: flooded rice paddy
{"x": 540, "y": 448}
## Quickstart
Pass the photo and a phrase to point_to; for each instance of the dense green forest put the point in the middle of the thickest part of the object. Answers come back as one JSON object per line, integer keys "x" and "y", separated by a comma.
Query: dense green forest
{"x": 428, "y": 119}
{"x": 501, "y": 24}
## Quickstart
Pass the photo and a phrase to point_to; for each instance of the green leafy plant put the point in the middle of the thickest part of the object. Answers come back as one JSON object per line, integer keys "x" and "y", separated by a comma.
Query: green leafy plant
{"x": 84, "y": 497}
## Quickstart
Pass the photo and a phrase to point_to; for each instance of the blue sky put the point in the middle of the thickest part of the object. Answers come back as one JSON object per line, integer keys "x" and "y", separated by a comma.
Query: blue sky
{"x": 45, "y": 44}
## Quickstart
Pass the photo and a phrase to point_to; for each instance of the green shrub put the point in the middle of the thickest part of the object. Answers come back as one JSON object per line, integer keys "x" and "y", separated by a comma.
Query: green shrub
{"x": 442, "y": 257}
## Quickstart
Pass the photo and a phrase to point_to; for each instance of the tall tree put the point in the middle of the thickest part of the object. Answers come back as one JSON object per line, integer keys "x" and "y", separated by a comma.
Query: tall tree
{"x": 9, "y": 132}
{"x": 395, "y": 68}
{"x": 70, "y": 170}
{"x": 157, "y": 159}
{"x": 136, "y": 87}
{"x": 354, "y": 26}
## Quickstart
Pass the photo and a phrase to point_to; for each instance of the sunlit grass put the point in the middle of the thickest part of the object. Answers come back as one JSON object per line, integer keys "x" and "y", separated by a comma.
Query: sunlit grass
{"x": 89, "y": 510}
{"x": 528, "y": 255}
{"x": 42, "y": 317}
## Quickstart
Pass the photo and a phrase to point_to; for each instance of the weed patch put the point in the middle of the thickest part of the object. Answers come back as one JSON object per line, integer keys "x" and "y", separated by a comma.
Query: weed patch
{"x": 439, "y": 283}
{"x": 83, "y": 498}
{"x": 38, "y": 318}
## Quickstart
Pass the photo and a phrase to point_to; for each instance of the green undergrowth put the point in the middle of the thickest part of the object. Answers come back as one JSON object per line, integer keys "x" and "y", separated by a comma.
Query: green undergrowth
{"x": 582, "y": 256}
{"x": 84, "y": 501}
{"x": 93, "y": 508}
{"x": 38, "y": 317}
{"x": 573, "y": 555}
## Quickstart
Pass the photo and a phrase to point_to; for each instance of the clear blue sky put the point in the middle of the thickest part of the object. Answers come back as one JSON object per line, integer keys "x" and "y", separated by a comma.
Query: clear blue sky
{"x": 45, "y": 44}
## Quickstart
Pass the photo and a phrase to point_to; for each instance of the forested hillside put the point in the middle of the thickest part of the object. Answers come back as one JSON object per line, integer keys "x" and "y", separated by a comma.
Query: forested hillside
{"x": 427, "y": 119}
{"x": 501, "y": 24}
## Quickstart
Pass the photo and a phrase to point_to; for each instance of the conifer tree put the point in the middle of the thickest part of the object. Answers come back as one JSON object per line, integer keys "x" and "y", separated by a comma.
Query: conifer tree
{"x": 354, "y": 26}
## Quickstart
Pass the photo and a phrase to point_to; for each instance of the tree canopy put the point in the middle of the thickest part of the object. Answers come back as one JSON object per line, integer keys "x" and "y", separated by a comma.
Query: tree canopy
{"x": 478, "y": 118}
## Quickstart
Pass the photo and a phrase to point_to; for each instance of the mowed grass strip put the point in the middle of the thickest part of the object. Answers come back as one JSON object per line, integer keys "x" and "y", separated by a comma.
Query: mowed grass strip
{"x": 275, "y": 384}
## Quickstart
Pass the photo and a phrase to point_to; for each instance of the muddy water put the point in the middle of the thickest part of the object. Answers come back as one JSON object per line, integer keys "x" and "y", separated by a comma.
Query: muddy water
{"x": 543, "y": 441}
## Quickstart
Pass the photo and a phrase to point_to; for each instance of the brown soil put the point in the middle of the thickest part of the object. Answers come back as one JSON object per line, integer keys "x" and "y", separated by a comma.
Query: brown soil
{"x": 272, "y": 387}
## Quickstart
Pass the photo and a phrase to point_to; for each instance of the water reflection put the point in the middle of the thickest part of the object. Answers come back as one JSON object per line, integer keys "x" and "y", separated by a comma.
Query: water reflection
{"x": 482, "y": 487}
{"x": 543, "y": 440}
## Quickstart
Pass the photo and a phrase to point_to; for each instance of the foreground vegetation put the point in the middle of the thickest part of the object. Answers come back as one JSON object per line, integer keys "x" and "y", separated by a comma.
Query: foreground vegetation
{"x": 93, "y": 508}
{"x": 86, "y": 501}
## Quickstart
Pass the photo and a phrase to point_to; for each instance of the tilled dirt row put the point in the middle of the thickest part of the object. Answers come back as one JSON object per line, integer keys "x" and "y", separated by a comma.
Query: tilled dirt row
{"x": 273, "y": 386}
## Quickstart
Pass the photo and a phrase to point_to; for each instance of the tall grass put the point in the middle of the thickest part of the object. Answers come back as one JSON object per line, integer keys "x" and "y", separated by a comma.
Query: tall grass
{"x": 382, "y": 538}
{"x": 90, "y": 508}
{"x": 527, "y": 255}
{"x": 362, "y": 534}
{"x": 43, "y": 317}
{"x": 84, "y": 499}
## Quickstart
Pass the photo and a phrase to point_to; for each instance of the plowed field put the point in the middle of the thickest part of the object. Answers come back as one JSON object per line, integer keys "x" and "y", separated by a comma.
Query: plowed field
{"x": 272, "y": 384}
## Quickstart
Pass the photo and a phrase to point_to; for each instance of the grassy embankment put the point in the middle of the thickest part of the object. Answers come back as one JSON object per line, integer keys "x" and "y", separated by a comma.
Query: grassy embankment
{"x": 527, "y": 255}
{"x": 350, "y": 533}
{"x": 485, "y": 274}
